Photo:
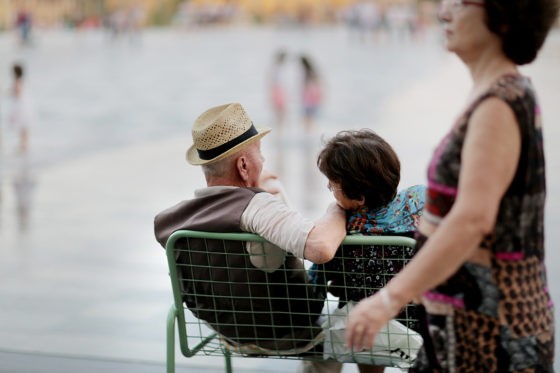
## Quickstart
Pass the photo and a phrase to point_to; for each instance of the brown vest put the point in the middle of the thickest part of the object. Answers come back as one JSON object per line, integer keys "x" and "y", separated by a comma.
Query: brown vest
{"x": 273, "y": 310}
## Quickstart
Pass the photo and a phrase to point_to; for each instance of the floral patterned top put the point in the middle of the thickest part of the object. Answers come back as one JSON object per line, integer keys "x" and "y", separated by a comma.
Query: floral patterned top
{"x": 356, "y": 272}
{"x": 497, "y": 318}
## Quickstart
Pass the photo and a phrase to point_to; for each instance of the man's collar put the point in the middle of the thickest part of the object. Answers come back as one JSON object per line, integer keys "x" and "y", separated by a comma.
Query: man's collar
{"x": 209, "y": 191}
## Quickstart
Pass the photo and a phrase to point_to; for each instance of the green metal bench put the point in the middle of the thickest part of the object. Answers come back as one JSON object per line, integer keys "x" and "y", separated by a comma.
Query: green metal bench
{"x": 196, "y": 337}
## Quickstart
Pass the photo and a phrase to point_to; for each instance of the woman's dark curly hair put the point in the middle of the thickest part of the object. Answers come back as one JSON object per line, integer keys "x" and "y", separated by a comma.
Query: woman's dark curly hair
{"x": 522, "y": 25}
{"x": 363, "y": 164}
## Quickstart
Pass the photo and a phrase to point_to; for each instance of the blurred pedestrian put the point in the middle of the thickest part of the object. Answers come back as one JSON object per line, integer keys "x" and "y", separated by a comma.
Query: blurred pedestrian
{"x": 480, "y": 267}
{"x": 277, "y": 88}
{"x": 23, "y": 26}
{"x": 20, "y": 113}
{"x": 311, "y": 92}
{"x": 15, "y": 163}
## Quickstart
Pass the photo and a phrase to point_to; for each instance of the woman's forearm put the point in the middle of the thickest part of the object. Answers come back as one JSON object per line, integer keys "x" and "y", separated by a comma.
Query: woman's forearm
{"x": 325, "y": 237}
{"x": 451, "y": 245}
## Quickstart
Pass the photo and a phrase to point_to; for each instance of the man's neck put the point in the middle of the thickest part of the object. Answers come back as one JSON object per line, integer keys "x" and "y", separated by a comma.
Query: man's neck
{"x": 224, "y": 182}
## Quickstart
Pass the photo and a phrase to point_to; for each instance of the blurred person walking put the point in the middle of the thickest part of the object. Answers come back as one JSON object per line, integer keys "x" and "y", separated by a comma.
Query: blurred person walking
{"x": 370, "y": 20}
{"x": 278, "y": 97}
{"x": 20, "y": 114}
{"x": 23, "y": 25}
{"x": 480, "y": 269}
{"x": 15, "y": 145}
{"x": 311, "y": 92}
{"x": 277, "y": 88}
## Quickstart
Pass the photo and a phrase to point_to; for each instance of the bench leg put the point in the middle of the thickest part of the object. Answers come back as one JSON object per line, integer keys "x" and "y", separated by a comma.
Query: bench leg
{"x": 227, "y": 356}
{"x": 171, "y": 340}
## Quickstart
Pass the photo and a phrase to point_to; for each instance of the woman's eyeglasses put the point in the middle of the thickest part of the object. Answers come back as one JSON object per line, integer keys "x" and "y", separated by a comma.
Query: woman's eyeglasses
{"x": 456, "y": 5}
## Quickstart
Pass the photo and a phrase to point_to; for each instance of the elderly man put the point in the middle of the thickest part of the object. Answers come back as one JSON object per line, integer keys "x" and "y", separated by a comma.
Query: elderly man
{"x": 227, "y": 146}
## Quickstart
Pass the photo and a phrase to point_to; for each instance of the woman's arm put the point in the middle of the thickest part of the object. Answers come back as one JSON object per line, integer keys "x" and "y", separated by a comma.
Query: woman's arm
{"x": 489, "y": 160}
{"x": 326, "y": 236}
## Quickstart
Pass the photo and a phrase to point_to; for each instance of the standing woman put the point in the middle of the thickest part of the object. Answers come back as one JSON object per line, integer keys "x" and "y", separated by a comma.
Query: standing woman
{"x": 277, "y": 89}
{"x": 311, "y": 92}
{"x": 480, "y": 269}
{"x": 21, "y": 116}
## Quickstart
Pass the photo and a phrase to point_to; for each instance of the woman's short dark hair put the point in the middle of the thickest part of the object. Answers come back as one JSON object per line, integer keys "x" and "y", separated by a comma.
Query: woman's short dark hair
{"x": 522, "y": 24}
{"x": 363, "y": 164}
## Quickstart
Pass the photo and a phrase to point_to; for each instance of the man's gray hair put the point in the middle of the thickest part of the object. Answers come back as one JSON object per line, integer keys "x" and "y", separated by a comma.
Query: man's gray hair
{"x": 220, "y": 168}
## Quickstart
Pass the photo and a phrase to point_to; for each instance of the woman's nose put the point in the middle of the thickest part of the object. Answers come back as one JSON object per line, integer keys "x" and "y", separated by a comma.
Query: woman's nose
{"x": 444, "y": 11}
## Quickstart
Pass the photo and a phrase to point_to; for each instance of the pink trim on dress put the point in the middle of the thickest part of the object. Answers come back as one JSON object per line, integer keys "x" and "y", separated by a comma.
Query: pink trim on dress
{"x": 437, "y": 297}
{"x": 510, "y": 256}
{"x": 451, "y": 191}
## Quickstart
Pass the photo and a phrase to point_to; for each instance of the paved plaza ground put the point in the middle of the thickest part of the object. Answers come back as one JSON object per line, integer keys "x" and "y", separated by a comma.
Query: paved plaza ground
{"x": 83, "y": 283}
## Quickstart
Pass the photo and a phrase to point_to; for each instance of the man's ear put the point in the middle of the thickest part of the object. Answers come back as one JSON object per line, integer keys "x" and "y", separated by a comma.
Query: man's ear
{"x": 242, "y": 167}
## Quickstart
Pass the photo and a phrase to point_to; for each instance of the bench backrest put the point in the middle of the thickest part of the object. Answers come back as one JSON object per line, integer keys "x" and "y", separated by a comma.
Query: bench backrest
{"x": 225, "y": 304}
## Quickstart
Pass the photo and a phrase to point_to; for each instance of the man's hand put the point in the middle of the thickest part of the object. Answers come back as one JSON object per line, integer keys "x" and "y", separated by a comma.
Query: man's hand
{"x": 269, "y": 182}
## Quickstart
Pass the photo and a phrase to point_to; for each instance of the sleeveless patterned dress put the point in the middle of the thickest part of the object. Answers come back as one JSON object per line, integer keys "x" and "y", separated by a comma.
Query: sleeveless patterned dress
{"x": 497, "y": 318}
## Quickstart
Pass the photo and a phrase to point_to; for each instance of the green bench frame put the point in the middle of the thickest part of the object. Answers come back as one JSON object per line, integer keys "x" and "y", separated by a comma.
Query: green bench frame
{"x": 201, "y": 339}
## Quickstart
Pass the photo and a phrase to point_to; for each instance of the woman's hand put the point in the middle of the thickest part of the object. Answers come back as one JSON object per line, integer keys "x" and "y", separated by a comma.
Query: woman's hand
{"x": 367, "y": 318}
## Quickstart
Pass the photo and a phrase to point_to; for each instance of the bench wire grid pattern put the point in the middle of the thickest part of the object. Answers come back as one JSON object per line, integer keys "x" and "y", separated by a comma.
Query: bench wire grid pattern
{"x": 197, "y": 337}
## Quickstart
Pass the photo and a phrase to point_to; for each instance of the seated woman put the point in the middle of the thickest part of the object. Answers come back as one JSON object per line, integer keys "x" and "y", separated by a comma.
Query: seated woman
{"x": 363, "y": 172}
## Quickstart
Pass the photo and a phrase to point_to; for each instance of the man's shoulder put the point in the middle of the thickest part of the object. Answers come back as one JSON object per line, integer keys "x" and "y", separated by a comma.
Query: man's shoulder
{"x": 225, "y": 190}
{"x": 263, "y": 199}
{"x": 212, "y": 209}
{"x": 211, "y": 195}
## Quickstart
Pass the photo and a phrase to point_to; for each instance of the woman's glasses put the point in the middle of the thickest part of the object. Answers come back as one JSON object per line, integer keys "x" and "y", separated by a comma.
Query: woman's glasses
{"x": 456, "y": 5}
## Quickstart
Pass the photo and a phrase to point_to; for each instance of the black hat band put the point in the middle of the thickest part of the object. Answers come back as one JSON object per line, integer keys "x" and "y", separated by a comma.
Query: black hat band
{"x": 214, "y": 152}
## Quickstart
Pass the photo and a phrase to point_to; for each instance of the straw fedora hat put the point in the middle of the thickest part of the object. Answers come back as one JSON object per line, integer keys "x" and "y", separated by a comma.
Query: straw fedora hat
{"x": 221, "y": 131}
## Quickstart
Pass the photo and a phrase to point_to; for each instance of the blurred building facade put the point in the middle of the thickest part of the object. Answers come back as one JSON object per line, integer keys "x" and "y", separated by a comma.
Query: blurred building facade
{"x": 81, "y": 13}
{"x": 92, "y": 13}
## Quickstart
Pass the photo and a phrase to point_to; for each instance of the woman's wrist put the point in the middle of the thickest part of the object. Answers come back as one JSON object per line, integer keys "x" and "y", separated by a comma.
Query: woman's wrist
{"x": 390, "y": 304}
